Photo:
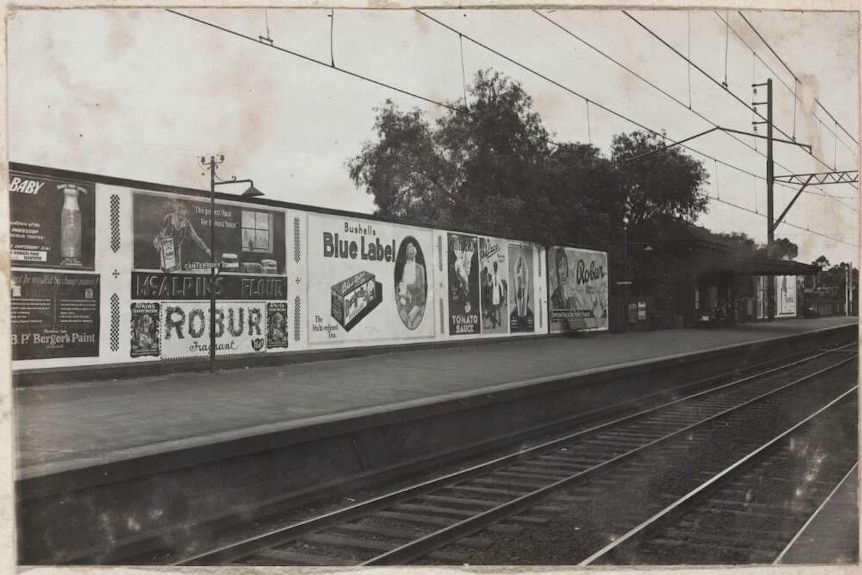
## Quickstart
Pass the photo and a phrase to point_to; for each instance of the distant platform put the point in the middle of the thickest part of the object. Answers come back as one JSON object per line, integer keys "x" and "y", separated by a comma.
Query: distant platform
{"x": 67, "y": 426}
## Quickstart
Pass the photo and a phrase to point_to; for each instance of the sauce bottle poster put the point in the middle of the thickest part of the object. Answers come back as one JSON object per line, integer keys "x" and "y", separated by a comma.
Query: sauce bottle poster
{"x": 464, "y": 288}
{"x": 52, "y": 222}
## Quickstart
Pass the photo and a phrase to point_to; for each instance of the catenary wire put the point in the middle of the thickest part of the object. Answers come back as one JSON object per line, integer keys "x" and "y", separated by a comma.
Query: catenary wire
{"x": 667, "y": 94}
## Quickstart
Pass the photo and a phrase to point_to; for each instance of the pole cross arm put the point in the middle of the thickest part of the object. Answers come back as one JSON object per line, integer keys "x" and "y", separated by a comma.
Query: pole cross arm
{"x": 819, "y": 179}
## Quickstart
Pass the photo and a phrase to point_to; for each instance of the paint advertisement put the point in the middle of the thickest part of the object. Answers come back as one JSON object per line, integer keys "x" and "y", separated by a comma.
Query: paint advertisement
{"x": 145, "y": 329}
{"x": 240, "y": 328}
{"x": 52, "y": 222}
{"x": 579, "y": 289}
{"x": 785, "y": 296}
{"x": 464, "y": 288}
{"x": 494, "y": 280}
{"x": 172, "y": 234}
{"x": 522, "y": 318}
{"x": 54, "y": 315}
{"x": 369, "y": 280}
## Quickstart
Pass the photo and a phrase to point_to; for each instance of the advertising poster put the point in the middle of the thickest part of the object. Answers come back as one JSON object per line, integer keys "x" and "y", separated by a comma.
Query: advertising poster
{"x": 521, "y": 315}
{"x": 172, "y": 234}
{"x": 464, "y": 288}
{"x": 54, "y": 315}
{"x": 192, "y": 286}
{"x": 579, "y": 289}
{"x": 495, "y": 285}
{"x": 369, "y": 280}
{"x": 276, "y": 325}
{"x": 240, "y": 328}
{"x": 145, "y": 329}
{"x": 52, "y": 222}
{"x": 785, "y": 296}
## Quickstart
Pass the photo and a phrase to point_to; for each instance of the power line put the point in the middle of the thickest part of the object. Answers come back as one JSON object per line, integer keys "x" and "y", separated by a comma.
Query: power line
{"x": 783, "y": 63}
{"x": 718, "y": 83}
{"x": 660, "y": 90}
{"x": 786, "y": 86}
{"x": 330, "y": 66}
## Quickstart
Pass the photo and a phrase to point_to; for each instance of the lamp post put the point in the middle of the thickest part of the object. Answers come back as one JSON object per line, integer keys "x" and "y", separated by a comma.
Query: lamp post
{"x": 212, "y": 164}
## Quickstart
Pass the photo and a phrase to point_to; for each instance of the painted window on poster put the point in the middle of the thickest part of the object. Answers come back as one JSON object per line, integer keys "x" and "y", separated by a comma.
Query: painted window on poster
{"x": 172, "y": 234}
{"x": 464, "y": 288}
{"x": 785, "y": 296}
{"x": 579, "y": 289}
{"x": 52, "y": 222}
{"x": 368, "y": 280}
{"x": 494, "y": 281}
{"x": 240, "y": 328}
{"x": 522, "y": 316}
{"x": 54, "y": 315}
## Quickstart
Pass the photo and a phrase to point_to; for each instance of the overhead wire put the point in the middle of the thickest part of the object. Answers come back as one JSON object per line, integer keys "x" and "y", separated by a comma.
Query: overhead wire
{"x": 453, "y": 108}
{"x": 660, "y": 90}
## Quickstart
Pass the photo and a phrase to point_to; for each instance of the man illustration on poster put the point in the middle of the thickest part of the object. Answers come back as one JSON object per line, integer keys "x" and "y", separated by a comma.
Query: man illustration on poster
{"x": 174, "y": 234}
{"x": 498, "y": 296}
{"x": 562, "y": 298}
{"x": 521, "y": 318}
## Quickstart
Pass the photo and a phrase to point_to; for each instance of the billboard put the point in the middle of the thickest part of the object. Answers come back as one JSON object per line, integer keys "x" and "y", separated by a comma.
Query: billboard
{"x": 368, "y": 281}
{"x": 172, "y": 234}
{"x": 52, "y": 222}
{"x": 494, "y": 279}
{"x": 463, "y": 269}
{"x": 54, "y": 315}
{"x": 578, "y": 282}
{"x": 240, "y": 328}
{"x": 522, "y": 318}
{"x": 785, "y": 296}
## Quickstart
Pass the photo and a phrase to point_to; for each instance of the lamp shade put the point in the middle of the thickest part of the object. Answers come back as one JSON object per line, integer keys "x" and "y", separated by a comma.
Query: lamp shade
{"x": 252, "y": 192}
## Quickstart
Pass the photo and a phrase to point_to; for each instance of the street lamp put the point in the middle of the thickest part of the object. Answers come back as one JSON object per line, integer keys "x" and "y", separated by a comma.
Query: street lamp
{"x": 251, "y": 192}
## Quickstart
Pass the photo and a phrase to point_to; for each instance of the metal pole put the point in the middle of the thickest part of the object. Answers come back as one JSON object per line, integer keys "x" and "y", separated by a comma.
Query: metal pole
{"x": 212, "y": 263}
{"x": 770, "y": 207}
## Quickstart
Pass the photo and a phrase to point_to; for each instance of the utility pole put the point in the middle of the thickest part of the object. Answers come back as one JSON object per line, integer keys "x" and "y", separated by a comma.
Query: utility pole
{"x": 770, "y": 199}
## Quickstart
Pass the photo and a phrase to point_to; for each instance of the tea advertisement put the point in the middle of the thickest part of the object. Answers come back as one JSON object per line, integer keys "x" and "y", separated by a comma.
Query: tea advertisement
{"x": 240, "y": 328}
{"x": 172, "y": 234}
{"x": 522, "y": 318}
{"x": 54, "y": 315}
{"x": 494, "y": 277}
{"x": 369, "y": 280}
{"x": 578, "y": 282}
{"x": 52, "y": 222}
{"x": 464, "y": 288}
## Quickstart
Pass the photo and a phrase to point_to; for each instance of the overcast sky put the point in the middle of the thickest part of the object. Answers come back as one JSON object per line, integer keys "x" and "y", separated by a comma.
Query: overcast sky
{"x": 142, "y": 94}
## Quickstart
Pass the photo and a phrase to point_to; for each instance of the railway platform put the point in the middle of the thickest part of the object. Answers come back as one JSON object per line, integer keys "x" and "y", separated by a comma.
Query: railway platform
{"x": 114, "y": 469}
{"x": 69, "y": 426}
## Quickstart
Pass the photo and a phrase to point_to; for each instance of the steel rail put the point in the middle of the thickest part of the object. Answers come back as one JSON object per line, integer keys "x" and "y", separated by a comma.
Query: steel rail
{"x": 423, "y": 546}
{"x": 814, "y": 515}
{"x": 699, "y": 491}
{"x": 291, "y": 532}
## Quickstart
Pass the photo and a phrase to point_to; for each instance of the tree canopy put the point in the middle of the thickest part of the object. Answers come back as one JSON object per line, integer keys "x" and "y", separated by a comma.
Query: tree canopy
{"x": 492, "y": 166}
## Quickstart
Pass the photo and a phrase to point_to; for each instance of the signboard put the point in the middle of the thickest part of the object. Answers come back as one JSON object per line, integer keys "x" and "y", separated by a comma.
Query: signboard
{"x": 145, "y": 329}
{"x": 192, "y": 286}
{"x": 54, "y": 315}
{"x": 579, "y": 289}
{"x": 52, "y": 222}
{"x": 522, "y": 293}
{"x": 463, "y": 268}
{"x": 240, "y": 328}
{"x": 494, "y": 279}
{"x": 172, "y": 234}
{"x": 368, "y": 280}
{"x": 785, "y": 296}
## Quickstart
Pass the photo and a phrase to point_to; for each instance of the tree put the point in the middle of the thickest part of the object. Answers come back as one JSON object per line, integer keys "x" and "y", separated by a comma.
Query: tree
{"x": 822, "y": 262}
{"x": 664, "y": 185}
{"x": 491, "y": 166}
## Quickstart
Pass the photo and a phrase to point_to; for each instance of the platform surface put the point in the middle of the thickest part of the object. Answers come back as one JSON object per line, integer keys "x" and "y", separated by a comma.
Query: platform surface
{"x": 65, "y": 426}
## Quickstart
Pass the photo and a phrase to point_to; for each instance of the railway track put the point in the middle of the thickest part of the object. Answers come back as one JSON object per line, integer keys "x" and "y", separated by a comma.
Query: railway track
{"x": 458, "y": 517}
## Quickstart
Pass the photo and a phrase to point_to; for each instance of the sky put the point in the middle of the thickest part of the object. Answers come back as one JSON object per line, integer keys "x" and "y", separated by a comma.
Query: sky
{"x": 142, "y": 94}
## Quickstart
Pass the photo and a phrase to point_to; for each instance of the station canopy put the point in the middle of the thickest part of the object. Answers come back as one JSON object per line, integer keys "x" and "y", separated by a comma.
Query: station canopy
{"x": 711, "y": 253}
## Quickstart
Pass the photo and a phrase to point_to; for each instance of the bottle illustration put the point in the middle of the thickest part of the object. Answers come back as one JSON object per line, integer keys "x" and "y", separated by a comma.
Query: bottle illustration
{"x": 70, "y": 228}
